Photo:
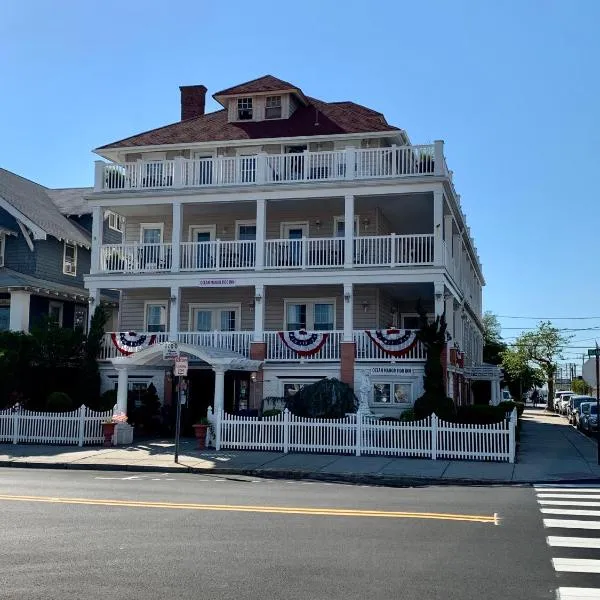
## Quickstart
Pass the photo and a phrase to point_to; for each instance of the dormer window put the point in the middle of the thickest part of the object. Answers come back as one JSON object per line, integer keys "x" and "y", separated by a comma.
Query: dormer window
{"x": 273, "y": 107}
{"x": 244, "y": 109}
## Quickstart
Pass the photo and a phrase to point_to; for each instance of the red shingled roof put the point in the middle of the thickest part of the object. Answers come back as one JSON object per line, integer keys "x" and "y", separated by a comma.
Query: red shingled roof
{"x": 316, "y": 118}
{"x": 267, "y": 83}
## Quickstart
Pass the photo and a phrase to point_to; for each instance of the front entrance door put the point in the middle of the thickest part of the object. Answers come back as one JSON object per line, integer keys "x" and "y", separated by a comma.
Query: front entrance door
{"x": 295, "y": 232}
{"x": 203, "y": 252}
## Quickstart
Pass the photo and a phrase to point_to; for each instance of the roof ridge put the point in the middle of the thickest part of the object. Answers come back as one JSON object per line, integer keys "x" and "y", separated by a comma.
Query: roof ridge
{"x": 13, "y": 174}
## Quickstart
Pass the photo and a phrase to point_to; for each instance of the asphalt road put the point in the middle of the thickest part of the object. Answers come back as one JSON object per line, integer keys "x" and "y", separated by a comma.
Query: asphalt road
{"x": 86, "y": 535}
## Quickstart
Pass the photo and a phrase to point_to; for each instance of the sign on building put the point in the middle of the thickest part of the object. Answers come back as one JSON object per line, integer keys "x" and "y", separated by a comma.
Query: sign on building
{"x": 217, "y": 282}
{"x": 170, "y": 350}
{"x": 181, "y": 367}
{"x": 391, "y": 371}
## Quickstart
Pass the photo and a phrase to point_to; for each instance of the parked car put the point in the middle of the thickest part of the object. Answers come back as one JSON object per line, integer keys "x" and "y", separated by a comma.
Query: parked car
{"x": 579, "y": 413}
{"x": 573, "y": 406}
{"x": 589, "y": 420}
{"x": 556, "y": 400}
{"x": 560, "y": 401}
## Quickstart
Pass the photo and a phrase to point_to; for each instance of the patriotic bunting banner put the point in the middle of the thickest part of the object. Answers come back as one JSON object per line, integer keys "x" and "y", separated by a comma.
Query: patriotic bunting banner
{"x": 128, "y": 342}
{"x": 302, "y": 342}
{"x": 395, "y": 342}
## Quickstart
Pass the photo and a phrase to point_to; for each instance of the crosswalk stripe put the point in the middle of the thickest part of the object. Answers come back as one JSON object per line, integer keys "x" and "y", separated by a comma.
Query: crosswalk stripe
{"x": 573, "y": 593}
{"x": 573, "y": 542}
{"x": 571, "y": 524}
{"x": 573, "y": 488}
{"x": 576, "y": 565}
{"x": 567, "y": 503}
{"x": 579, "y": 496}
{"x": 575, "y": 512}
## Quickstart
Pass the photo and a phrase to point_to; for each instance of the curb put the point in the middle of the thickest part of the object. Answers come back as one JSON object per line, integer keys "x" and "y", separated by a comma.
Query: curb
{"x": 298, "y": 475}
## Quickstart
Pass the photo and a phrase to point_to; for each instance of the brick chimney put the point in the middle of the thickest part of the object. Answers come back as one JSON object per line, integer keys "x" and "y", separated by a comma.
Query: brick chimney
{"x": 192, "y": 101}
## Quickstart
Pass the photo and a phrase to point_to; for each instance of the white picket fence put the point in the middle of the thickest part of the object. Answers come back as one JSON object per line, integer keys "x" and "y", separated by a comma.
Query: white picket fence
{"x": 363, "y": 434}
{"x": 81, "y": 426}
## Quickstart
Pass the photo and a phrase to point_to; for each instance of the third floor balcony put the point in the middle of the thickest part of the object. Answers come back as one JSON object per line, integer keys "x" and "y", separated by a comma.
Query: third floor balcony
{"x": 272, "y": 169}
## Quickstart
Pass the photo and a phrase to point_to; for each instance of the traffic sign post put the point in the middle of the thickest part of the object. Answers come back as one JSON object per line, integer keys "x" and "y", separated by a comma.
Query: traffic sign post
{"x": 180, "y": 369}
{"x": 591, "y": 375}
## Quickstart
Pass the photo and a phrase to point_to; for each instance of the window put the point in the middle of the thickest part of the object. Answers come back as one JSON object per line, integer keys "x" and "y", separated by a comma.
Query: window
{"x": 246, "y": 230}
{"x": 4, "y": 318}
{"x": 392, "y": 393}
{"x": 116, "y": 222}
{"x": 156, "y": 317}
{"x": 70, "y": 259}
{"x": 151, "y": 233}
{"x": 206, "y": 317}
{"x": 291, "y": 388}
{"x": 244, "y": 109}
{"x": 310, "y": 315}
{"x": 55, "y": 311}
{"x": 273, "y": 107}
{"x": 80, "y": 317}
{"x": 413, "y": 321}
{"x": 340, "y": 228}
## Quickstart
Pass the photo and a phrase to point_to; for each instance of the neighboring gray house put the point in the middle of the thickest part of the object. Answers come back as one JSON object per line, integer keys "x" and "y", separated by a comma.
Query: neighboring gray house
{"x": 45, "y": 240}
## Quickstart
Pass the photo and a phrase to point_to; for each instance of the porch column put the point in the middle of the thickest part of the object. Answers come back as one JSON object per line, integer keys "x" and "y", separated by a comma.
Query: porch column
{"x": 219, "y": 397}
{"x": 439, "y": 306}
{"x": 121, "y": 389}
{"x": 174, "y": 314}
{"x": 97, "y": 227}
{"x": 19, "y": 310}
{"x": 348, "y": 312}
{"x": 259, "y": 312}
{"x": 493, "y": 392}
{"x": 176, "y": 236}
{"x": 438, "y": 214}
{"x": 348, "y": 231}
{"x": 93, "y": 302}
{"x": 449, "y": 308}
{"x": 261, "y": 221}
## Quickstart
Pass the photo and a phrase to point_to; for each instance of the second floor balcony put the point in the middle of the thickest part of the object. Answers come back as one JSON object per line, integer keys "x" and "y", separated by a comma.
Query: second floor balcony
{"x": 241, "y": 255}
{"x": 272, "y": 169}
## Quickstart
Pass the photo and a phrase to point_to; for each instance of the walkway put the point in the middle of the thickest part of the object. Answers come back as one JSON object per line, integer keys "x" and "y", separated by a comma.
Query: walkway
{"x": 550, "y": 450}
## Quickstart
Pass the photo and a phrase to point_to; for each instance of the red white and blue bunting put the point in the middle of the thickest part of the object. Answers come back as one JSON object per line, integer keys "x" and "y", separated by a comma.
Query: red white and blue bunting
{"x": 129, "y": 342}
{"x": 395, "y": 342}
{"x": 302, "y": 342}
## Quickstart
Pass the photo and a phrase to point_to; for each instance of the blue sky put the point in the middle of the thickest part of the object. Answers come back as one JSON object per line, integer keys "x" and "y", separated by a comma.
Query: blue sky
{"x": 511, "y": 87}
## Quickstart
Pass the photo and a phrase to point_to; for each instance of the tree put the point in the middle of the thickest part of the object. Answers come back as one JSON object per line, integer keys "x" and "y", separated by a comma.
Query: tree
{"x": 543, "y": 347}
{"x": 579, "y": 386}
{"x": 324, "y": 399}
{"x": 433, "y": 337}
{"x": 89, "y": 373}
{"x": 493, "y": 345}
{"x": 519, "y": 373}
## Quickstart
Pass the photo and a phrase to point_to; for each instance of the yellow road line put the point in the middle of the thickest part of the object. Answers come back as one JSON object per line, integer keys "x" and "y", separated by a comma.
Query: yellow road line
{"x": 322, "y": 511}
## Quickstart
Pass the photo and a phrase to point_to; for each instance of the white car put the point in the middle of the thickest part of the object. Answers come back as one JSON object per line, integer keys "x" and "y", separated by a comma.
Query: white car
{"x": 558, "y": 398}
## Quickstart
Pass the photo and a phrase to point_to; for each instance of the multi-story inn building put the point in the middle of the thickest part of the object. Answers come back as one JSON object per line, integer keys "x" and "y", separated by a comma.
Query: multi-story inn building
{"x": 280, "y": 240}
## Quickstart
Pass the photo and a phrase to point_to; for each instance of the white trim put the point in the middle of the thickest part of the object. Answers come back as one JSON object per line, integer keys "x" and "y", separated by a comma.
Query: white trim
{"x": 2, "y": 248}
{"x": 212, "y": 229}
{"x": 160, "y": 226}
{"x": 242, "y": 222}
{"x": 341, "y": 218}
{"x": 310, "y": 313}
{"x": 285, "y": 226}
{"x": 64, "y": 269}
{"x": 291, "y": 381}
{"x": 59, "y": 305}
{"x": 120, "y": 221}
{"x": 236, "y": 306}
{"x": 392, "y": 381}
{"x": 25, "y": 234}
{"x": 204, "y": 154}
{"x": 36, "y": 230}
{"x": 164, "y": 303}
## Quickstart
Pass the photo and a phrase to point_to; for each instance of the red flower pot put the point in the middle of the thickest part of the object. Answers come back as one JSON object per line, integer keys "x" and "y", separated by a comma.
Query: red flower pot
{"x": 200, "y": 430}
{"x": 108, "y": 430}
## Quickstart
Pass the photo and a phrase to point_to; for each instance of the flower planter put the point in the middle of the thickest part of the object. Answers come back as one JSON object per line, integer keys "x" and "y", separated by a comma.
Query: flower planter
{"x": 201, "y": 430}
{"x": 108, "y": 429}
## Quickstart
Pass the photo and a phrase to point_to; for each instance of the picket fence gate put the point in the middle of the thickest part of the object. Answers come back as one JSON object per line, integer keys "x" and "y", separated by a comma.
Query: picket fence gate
{"x": 364, "y": 434}
{"x": 80, "y": 426}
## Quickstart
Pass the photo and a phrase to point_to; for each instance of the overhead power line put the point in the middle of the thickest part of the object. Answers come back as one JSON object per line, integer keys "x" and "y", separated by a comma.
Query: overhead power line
{"x": 550, "y": 318}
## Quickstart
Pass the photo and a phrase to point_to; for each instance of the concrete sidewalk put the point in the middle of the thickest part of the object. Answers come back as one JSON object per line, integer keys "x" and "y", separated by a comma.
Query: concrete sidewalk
{"x": 550, "y": 451}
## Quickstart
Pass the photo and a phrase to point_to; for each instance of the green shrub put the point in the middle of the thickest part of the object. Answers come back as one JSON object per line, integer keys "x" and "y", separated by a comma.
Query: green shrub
{"x": 479, "y": 414}
{"x": 273, "y": 412}
{"x": 325, "y": 399}
{"x": 509, "y": 405}
{"x": 59, "y": 402}
{"x": 427, "y": 404}
{"x": 408, "y": 415}
{"x": 107, "y": 401}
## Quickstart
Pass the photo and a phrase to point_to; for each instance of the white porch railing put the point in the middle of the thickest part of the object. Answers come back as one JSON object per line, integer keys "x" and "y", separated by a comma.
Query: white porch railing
{"x": 237, "y": 341}
{"x": 362, "y": 434}
{"x": 304, "y": 253}
{"x": 218, "y": 255}
{"x": 135, "y": 258}
{"x": 367, "y": 350}
{"x": 81, "y": 426}
{"x": 278, "y": 351}
{"x": 393, "y": 250}
{"x": 395, "y": 161}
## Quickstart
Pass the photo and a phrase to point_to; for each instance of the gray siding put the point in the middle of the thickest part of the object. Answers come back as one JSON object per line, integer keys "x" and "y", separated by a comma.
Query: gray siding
{"x": 49, "y": 262}
{"x": 18, "y": 256}
{"x": 110, "y": 236}
{"x": 132, "y": 306}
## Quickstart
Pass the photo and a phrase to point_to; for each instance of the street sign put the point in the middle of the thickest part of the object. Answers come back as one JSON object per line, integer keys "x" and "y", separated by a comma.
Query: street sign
{"x": 170, "y": 350}
{"x": 181, "y": 367}
{"x": 594, "y": 351}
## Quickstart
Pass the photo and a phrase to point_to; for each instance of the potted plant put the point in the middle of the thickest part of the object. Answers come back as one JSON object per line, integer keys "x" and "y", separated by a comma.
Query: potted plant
{"x": 108, "y": 427}
{"x": 200, "y": 430}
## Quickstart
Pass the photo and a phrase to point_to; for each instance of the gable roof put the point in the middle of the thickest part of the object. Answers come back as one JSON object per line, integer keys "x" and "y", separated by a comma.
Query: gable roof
{"x": 71, "y": 201}
{"x": 25, "y": 199}
{"x": 267, "y": 83}
{"x": 316, "y": 118}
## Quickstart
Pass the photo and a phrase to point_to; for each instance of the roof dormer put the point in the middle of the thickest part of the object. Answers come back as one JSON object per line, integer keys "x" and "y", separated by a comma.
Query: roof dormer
{"x": 263, "y": 99}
